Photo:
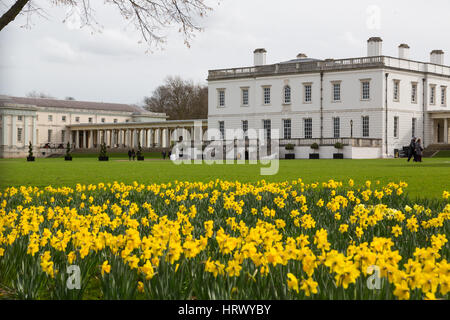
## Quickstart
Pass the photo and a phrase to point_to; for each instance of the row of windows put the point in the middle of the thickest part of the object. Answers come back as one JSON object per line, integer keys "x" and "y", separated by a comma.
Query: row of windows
{"x": 336, "y": 93}
{"x": 287, "y": 94}
{"x": 77, "y": 119}
{"x": 443, "y": 93}
{"x": 307, "y": 127}
{"x": 64, "y": 119}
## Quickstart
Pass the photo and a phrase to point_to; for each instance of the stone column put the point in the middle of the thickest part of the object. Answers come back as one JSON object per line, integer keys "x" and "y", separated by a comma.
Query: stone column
{"x": 4, "y": 141}
{"x": 84, "y": 139}
{"x": 13, "y": 131}
{"x": 91, "y": 139}
{"x": 446, "y": 130}
{"x": 33, "y": 132}
{"x": 134, "y": 138}
{"x": 77, "y": 139}
{"x": 25, "y": 131}
{"x": 149, "y": 137}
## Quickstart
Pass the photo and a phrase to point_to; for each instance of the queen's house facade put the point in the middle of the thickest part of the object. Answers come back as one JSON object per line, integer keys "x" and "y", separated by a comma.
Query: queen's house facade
{"x": 373, "y": 105}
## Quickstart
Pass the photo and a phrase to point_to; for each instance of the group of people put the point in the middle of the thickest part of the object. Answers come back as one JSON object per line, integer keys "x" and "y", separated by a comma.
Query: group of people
{"x": 415, "y": 150}
{"x": 131, "y": 154}
{"x": 166, "y": 154}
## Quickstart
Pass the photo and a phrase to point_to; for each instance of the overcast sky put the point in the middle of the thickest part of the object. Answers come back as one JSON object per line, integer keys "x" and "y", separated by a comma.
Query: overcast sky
{"x": 59, "y": 59}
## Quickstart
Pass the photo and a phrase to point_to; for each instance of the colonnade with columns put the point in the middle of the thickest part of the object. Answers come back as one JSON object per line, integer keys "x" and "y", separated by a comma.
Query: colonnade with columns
{"x": 128, "y": 137}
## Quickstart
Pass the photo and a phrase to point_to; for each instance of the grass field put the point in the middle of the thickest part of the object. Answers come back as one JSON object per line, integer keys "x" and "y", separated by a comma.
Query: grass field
{"x": 426, "y": 180}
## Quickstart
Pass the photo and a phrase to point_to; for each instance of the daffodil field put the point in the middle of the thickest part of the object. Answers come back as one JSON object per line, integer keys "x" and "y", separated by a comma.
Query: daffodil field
{"x": 224, "y": 240}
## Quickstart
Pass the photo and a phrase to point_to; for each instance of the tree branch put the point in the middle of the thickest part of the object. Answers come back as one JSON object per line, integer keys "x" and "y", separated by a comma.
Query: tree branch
{"x": 12, "y": 13}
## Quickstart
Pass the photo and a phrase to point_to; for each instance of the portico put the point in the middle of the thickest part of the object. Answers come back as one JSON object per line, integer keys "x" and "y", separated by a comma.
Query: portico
{"x": 440, "y": 123}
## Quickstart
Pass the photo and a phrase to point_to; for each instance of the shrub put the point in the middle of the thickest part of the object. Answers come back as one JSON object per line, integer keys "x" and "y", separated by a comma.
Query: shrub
{"x": 103, "y": 150}
{"x": 68, "y": 149}
{"x": 289, "y": 146}
{"x": 314, "y": 146}
{"x": 339, "y": 145}
{"x": 30, "y": 150}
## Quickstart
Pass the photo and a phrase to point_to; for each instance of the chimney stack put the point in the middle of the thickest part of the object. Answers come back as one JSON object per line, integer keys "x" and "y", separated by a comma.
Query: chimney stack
{"x": 259, "y": 57}
{"x": 302, "y": 56}
{"x": 403, "y": 51}
{"x": 374, "y": 47}
{"x": 437, "y": 57}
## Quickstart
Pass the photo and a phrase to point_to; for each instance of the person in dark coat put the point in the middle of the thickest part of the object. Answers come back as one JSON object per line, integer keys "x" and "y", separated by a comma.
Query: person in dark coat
{"x": 412, "y": 149}
{"x": 164, "y": 155}
{"x": 419, "y": 150}
{"x": 129, "y": 154}
{"x": 133, "y": 154}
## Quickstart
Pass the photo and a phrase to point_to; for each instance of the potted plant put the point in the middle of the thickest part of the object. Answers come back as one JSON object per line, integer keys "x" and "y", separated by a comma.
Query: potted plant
{"x": 290, "y": 155}
{"x": 30, "y": 152}
{"x": 103, "y": 156}
{"x": 339, "y": 155}
{"x": 314, "y": 155}
{"x": 68, "y": 156}
{"x": 139, "y": 154}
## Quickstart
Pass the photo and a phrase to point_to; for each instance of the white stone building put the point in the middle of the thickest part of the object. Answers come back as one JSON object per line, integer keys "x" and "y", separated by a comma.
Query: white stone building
{"x": 373, "y": 105}
{"x": 46, "y": 123}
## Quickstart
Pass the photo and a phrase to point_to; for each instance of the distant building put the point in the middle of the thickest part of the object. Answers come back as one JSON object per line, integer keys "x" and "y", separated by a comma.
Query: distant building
{"x": 373, "y": 104}
{"x": 46, "y": 122}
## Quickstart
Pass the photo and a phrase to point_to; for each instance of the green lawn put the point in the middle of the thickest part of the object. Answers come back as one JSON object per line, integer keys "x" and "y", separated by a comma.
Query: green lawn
{"x": 426, "y": 180}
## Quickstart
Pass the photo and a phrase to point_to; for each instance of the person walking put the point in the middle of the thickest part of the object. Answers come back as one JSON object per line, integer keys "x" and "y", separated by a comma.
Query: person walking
{"x": 133, "y": 154}
{"x": 164, "y": 155}
{"x": 412, "y": 149}
{"x": 419, "y": 150}
{"x": 129, "y": 154}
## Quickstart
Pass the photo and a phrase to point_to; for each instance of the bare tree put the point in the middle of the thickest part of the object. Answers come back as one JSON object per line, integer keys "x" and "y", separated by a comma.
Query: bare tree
{"x": 43, "y": 95}
{"x": 179, "y": 99}
{"x": 150, "y": 17}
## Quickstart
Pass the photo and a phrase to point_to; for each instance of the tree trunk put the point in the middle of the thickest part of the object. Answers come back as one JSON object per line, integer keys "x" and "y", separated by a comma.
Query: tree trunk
{"x": 12, "y": 13}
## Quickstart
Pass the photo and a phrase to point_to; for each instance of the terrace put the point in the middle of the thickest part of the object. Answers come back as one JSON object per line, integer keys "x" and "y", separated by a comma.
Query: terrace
{"x": 329, "y": 65}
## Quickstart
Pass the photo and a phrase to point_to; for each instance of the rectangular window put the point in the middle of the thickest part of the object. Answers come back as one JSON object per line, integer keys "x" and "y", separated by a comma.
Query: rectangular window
{"x": 307, "y": 125}
{"x": 336, "y": 127}
{"x": 267, "y": 129}
{"x": 365, "y": 126}
{"x": 245, "y": 127}
{"x": 287, "y": 128}
{"x": 414, "y": 93}
{"x": 287, "y": 95}
{"x": 19, "y": 134}
{"x": 103, "y": 120}
{"x": 443, "y": 96}
{"x": 365, "y": 90}
{"x": 396, "y": 127}
{"x": 49, "y": 135}
{"x": 63, "y": 118}
{"x": 245, "y": 97}
{"x": 90, "y": 120}
{"x": 266, "y": 97}
{"x": 19, "y": 118}
{"x": 308, "y": 92}
{"x": 433, "y": 94}
{"x": 77, "y": 119}
{"x": 222, "y": 129}
{"x": 413, "y": 127}
{"x": 63, "y": 136}
{"x": 115, "y": 120}
{"x": 396, "y": 90}
{"x": 221, "y": 98}
{"x": 50, "y": 118}
{"x": 336, "y": 92}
